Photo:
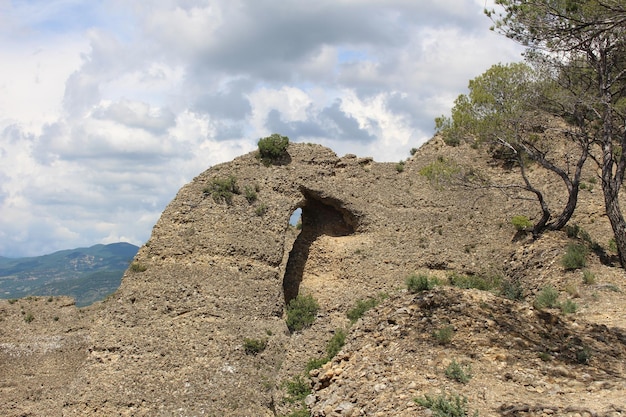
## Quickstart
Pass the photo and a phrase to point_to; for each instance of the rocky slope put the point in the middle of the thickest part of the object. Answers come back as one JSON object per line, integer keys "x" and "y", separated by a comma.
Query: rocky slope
{"x": 218, "y": 271}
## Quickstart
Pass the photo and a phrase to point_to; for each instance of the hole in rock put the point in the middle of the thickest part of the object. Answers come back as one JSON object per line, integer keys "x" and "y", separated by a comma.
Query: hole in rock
{"x": 319, "y": 216}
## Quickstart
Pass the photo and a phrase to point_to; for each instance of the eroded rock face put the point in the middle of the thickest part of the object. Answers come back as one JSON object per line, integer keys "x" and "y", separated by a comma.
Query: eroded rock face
{"x": 170, "y": 341}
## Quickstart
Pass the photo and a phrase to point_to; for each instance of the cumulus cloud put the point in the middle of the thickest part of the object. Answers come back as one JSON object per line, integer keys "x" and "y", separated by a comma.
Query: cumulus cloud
{"x": 106, "y": 109}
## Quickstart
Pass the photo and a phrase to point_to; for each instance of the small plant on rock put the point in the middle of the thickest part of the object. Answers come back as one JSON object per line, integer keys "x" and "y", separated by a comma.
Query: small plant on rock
{"x": 546, "y": 298}
{"x": 444, "y": 335}
{"x": 444, "y": 405}
{"x": 254, "y": 346}
{"x": 588, "y": 277}
{"x": 575, "y": 257}
{"x": 250, "y": 193}
{"x": 459, "y": 373}
{"x": 301, "y": 312}
{"x": 521, "y": 223}
{"x": 419, "y": 283}
{"x": 29, "y": 317}
{"x": 137, "y": 267}
{"x": 362, "y": 306}
{"x": 223, "y": 189}
{"x": 273, "y": 147}
{"x": 568, "y": 307}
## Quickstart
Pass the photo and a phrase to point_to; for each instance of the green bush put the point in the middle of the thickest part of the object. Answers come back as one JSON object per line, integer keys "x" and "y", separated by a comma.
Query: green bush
{"x": 521, "y": 223}
{"x": 575, "y": 257}
{"x": 316, "y": 363}
{"x": 484, "y": 283}
{"x": 261, "y": 210}
{"x": 458, "y": 372}
{"x": 137, "y": 267}
{"x": 440, "y": 171}
{"x": 222, "y": 189}
{"x": 546, "y": 298}
{"x": 297, "y": 389}
{"x": 568, "y": 307}
{"x": 400, "y": 166}
{"x": 301, "y": 312}
{"x": 362, "y": 306}
{"x": 29, "y": 317}
{"x": 512, "y": 290}
{"x": 335, "y": 343}
{"x": 250, "y": 194}
{"x": 444, "y": 335}
{"x": 254, "y": 346}
{"x": 273, "y": 146}
{"x": 588, "y": 277}
{"x": 419, "y": 283}
{"x": 445, "y": 406}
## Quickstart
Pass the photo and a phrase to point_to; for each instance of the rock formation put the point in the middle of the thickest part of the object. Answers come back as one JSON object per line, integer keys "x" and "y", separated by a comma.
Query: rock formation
{"x": 220, "y": 267}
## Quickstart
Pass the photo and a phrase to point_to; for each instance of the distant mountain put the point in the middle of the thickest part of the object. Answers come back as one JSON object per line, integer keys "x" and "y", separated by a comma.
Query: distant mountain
{"x": 87, "y": 274}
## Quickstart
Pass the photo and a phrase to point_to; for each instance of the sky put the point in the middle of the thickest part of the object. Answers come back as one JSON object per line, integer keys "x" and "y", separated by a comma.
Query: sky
{"x": 108, "y": 107}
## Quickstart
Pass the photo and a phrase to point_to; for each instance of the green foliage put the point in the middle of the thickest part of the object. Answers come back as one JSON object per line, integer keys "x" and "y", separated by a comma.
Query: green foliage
{"x": 483, "y": 283}
{"x": 250, "y": 193}
{"x": 361, "y": 307}
{"x": 521, "y": 223}
{"x": 254, "y": 346}
{"x": 222, "y": 189}
{"x": 413, "y": 151}
{"x": 137, "y": 267}
{"x": 261, "y": 210}
{"x": 297, "y": 389}
{"x": 316, "y": 363}
{"x": 575, "y": 257}
{"x": 445, "y": 405}
{"x": 335, "y": 343}
{"x": 546, "y": 298}
{"x": 511, "y": 289}
{"x": 400, "y": 166}
{"x": 29, "y": 318}
{"x": 273, "y": 146}
{"x": 568, "y": 307}
{"x": 444, "y": 335}
{"x": 440, "y": 171}
{"x": 301, "y": 312}
{"x": 419, "y": 283}
{"x": 588, "y": 277}
{"x": 459, "y": 373}
{"x": 572, "y": 230}
{"x": 583, "y": 355}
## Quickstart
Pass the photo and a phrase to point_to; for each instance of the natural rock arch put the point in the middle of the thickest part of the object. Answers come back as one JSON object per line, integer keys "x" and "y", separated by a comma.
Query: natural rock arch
{"x": 320, "y": 216}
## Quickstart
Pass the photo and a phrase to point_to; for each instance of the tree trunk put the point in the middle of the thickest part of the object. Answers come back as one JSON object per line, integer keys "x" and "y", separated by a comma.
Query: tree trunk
{"x": 617, "y": 223}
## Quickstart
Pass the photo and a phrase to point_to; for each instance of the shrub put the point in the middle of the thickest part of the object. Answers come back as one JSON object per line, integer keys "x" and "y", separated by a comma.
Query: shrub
{"x": 333, "y": 347}
{"x": 444, "y": 405}
{"x": 521, "y": 223}
{"x": 439, "y": 171}
{"x": 250, "y": 194}
{"x": 546, "y": 298}
{"x": 572, "y": 231}
{"x": 512, "y": 290}
{"x": 400, "y": 166}
{"x": 575, "y": 257}
{"x": 254, "y": 346}
{"x": 29, "y": 317}
{"x": 568, "y": 307}
{"x": 588, "y": 277}
{"x": 273, "y": 146}
{"x": 301, "y": 312}
{"x": 420, "y": 283}
{"x": 297, "y": 389}
{"x": 335, "y": 343}
{"x": 261, "y": 210}
{"x": 583, "y": 355}
{"x": 459, "y": 373}
{"x": 413, "y": 151}
{"x": 137, "y": 267}
{"x": 484, "y": 283}
{"x": 444, "y": 335}
{"x": 223, "y": 189}
{"x": 362, "y": 306}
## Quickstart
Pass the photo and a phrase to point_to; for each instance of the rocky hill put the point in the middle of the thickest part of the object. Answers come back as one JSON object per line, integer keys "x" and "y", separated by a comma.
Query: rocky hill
{"x": 223, "y": 261}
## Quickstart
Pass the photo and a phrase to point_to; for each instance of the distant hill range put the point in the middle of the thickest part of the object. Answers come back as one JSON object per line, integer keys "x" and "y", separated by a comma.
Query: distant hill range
{"x": 87, "y": 274}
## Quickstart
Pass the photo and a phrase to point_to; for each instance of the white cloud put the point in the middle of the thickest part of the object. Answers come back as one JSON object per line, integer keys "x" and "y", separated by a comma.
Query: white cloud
{"x": 107, "y": 108}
